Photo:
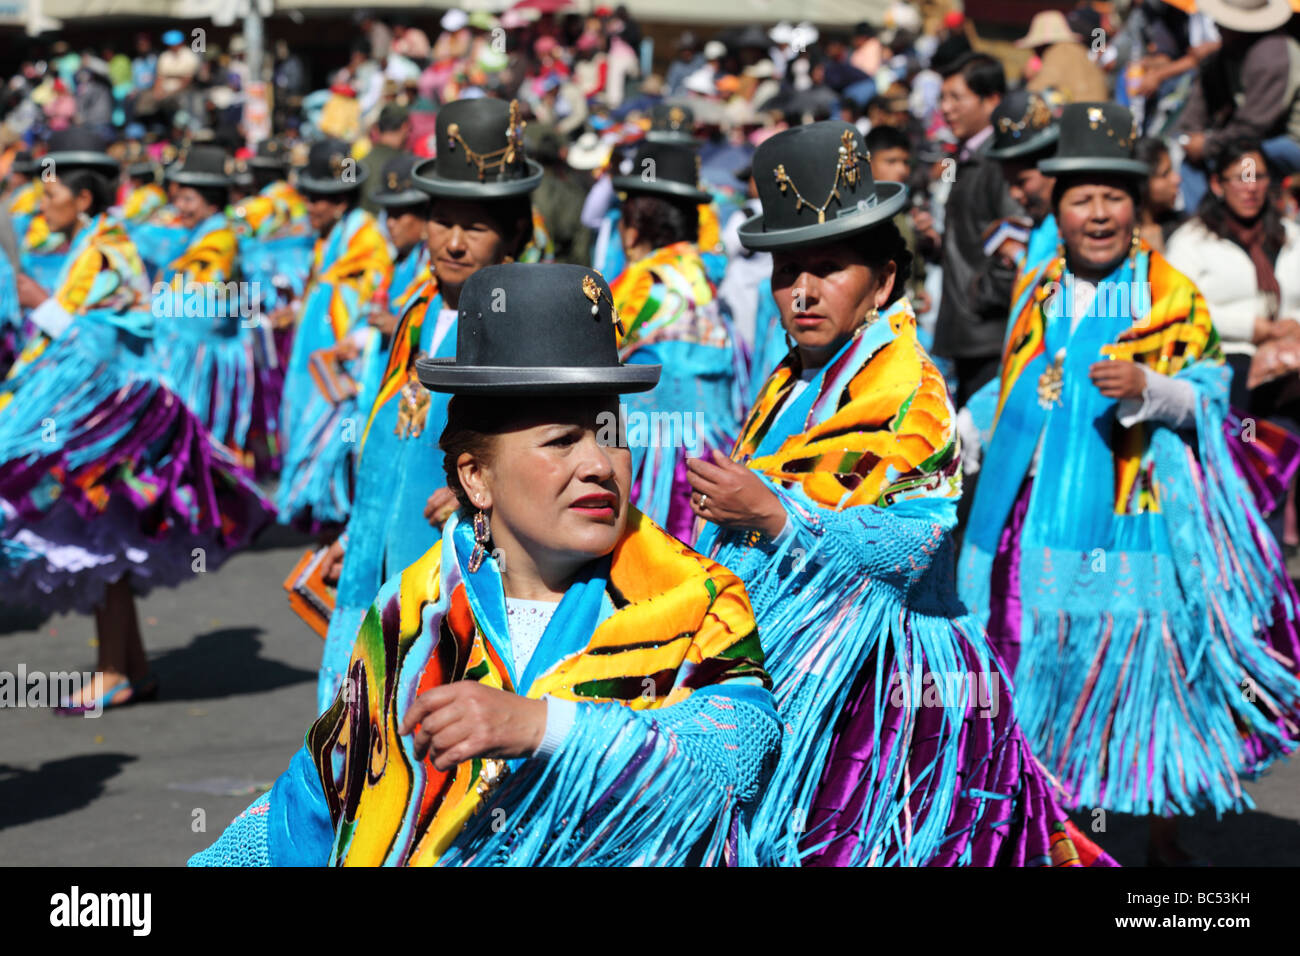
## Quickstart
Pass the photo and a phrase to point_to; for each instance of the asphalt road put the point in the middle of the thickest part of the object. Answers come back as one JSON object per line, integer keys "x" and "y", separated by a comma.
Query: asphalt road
{"x": 154, "y": 783}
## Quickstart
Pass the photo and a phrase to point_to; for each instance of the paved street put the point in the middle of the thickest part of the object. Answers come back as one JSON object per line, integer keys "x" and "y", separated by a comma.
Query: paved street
{"x": 237, "y": 672}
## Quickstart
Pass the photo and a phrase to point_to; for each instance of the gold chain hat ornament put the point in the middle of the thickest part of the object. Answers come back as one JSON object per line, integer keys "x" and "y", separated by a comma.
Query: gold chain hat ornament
{"x": 498, "y": 159}
{"x": 846, "y": 173}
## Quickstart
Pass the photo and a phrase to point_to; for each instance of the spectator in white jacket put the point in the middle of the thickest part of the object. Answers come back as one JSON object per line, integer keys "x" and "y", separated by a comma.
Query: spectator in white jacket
{"x": 1245, "y": 259}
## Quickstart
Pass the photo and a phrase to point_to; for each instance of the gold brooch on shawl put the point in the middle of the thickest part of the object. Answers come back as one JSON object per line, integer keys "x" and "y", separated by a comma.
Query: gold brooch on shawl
{"x": 1051, "y": 381}
{"x": 493, "y": 772}
{"x": 412, "y": 407}
{"x": 595, "y": 294}
{"x": 846, "y": 171}
{"x": 498, "y": 159}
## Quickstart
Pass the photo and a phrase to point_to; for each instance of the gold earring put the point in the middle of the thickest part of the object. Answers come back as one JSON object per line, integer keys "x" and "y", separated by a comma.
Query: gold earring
{"x": 482, "y": 537}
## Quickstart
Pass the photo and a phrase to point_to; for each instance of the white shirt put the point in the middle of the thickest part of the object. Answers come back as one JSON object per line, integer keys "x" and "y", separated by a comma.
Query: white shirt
{"x": 527, "y": 621}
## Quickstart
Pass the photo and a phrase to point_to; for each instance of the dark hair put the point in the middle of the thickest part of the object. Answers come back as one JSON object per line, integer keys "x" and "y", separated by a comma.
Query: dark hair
{"x": 1132, "y": 185}
{"x": 472, "y": 424}
{"x": 864, "y": 29}
{"x": 215, "y": 196}
{"x": 882, "y": 244}
{"x": 1148, "y": 150}
{"x": 886, "y": 137}
{"x": 1213, "y": 211}
{"x": 351, "y": 197}
{"x": 263, "y": 176}
{"x": 983, "y": 74}
{"x": 662, "y": 221}
{"x": 100, "y": 187}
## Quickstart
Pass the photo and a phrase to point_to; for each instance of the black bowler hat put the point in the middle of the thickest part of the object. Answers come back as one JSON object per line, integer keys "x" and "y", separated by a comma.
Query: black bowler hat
{"x": 203, "y": 167}
{"x": 815, "y": 185}
{"x": 270, "y": 155}
{"x": 78, "y": 148}
{"x": 142, "y": 169}
{"x": 241, "y": 174}
{"x": 671, "y": 123}
{"x": 664, "y": 169}
{"x": 395, "y": 185}
{"x": 24, "y": 165}
{"x": 1096, "y": 138}
{"x": 543, "y": 329}
{"x": 481, "y": 153}
{"x": 330, "y": 169}
{"x": 1023, "y": 125}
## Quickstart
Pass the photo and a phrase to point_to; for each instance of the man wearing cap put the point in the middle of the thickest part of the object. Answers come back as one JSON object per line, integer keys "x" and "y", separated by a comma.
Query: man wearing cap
{"x": 318, "y": 412}
{"x": 1251, "y": 88}
{"x": 174, "y": 71}
{"x": 391, "y": 132}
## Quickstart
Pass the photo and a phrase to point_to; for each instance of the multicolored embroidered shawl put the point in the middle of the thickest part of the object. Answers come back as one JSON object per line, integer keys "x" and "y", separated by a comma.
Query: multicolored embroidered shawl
{"x": 899, "y": 744}
{"x": 657, "y": 646}
{"x": 399, "y": 465}
{"x": 879, "y": 429}
{"x": 350, "y": 266}
{"x": 672, "y": 317}
{"x": 143, "y": 202}
{"x": 1147, "y": 582}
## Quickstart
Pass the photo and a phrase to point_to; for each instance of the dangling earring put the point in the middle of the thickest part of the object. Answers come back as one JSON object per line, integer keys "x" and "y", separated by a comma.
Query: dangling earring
{"x": 1136, "y": 244}
{"x": 482, "y": 536}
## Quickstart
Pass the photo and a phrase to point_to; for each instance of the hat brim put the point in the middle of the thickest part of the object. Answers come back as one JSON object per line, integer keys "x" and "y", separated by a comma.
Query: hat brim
{"x": 429, "y": 182}
{"x": 331, "y": 187}
{"x": 266, "y": 162}
{"x": 890, "y": 200}
{"x": 81, "y": 159}
{"x": 671, "y": 136}
{"x": 1061, "y": 165}
{"x": 662, "y": 187}
{"x": 1270, "y": 17}
{"x": 200, "y": 180}
{"x": 407, "y": 197}
{"x": 1036, "y": 143}
{"x": 444, "y": 375}
{"x": 141, "y": 169}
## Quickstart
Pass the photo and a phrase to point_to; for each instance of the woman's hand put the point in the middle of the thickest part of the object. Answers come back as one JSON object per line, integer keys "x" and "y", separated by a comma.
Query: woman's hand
{"x": 466, "y": 719}
{"x": 332, "y": 564}
{"x": 383, "y": 320}
{"x": 731, "y": 496}
{"x": 1118, "y": 378}
{"x": 283, "y": 316}
{"x": 1272, "y": 360}
{"x": 30, "y": 294}
{"x": 441, "y": 505}
{"x": 1266, "y": 330}
{"x": 347, "y": 349}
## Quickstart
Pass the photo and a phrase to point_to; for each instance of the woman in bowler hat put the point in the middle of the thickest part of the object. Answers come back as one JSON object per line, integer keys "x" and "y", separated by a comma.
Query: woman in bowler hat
{"x": 555, "y": 660}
